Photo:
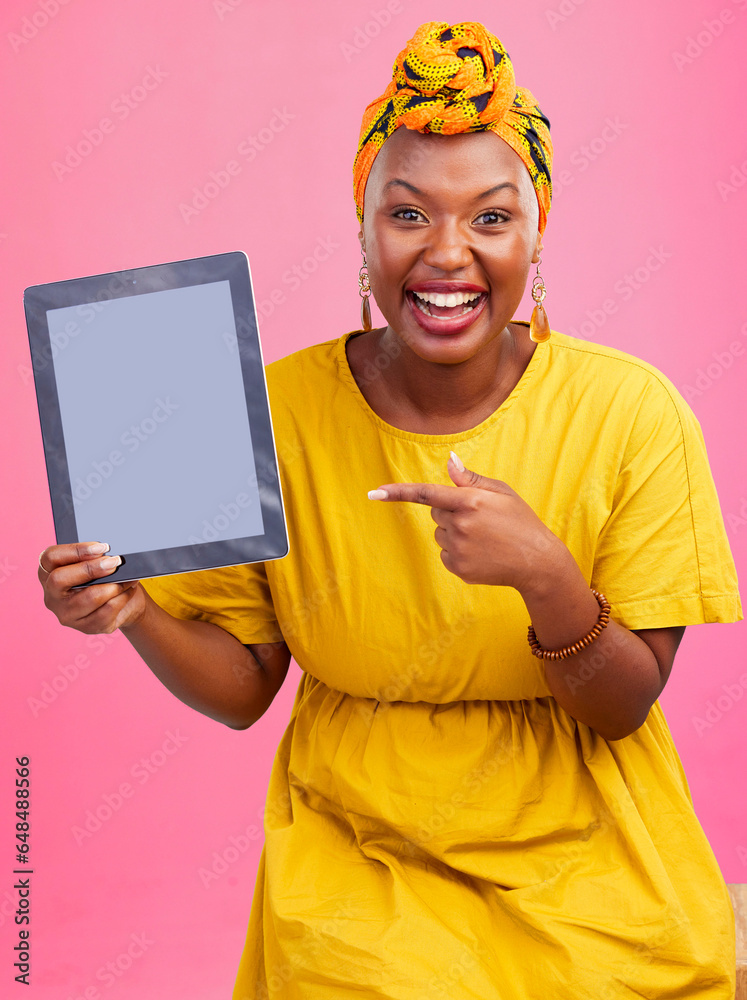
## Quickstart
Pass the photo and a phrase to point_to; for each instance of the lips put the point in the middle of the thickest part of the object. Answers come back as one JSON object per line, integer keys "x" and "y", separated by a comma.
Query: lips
{"x": 446, "y": 307}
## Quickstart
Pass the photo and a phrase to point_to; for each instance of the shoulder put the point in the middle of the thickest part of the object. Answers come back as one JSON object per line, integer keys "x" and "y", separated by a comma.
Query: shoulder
{"x": 317, "y": 361}
{"x": 309, "y": 376}
{"x": 611, "y": 363}
{"x": 616, "y": 380}
{"x": 308, "y": 390}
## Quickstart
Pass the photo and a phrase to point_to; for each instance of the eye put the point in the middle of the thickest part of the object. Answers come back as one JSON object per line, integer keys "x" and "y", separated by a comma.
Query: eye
{"x": 492, "y": 217}
{"x": 408, "y": 214}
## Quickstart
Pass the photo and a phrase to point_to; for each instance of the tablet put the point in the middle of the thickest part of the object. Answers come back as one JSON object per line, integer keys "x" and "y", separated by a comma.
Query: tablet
{"x": 155, "y": 417}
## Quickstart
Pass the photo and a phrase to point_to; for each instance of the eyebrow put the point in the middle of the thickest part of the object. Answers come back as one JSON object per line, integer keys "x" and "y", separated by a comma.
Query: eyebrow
{"x": 479, "y": 197}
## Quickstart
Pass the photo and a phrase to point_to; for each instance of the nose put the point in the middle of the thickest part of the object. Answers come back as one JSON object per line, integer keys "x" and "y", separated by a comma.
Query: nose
{"x": 447, "y": 246}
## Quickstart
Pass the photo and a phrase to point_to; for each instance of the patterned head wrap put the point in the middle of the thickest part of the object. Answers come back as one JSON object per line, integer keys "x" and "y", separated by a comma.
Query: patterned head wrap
{"x": 454, "y": 79}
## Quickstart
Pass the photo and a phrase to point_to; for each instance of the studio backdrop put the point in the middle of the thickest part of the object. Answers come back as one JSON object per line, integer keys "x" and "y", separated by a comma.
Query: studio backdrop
{"x": 138, "y": 133}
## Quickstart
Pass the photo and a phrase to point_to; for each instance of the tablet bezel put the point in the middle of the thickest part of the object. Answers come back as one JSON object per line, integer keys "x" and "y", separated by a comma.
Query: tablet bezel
{"x": 87, "y": 291}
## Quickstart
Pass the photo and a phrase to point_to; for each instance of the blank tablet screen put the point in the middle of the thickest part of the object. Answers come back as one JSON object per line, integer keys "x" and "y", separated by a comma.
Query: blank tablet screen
{"x": 153, "y": 411}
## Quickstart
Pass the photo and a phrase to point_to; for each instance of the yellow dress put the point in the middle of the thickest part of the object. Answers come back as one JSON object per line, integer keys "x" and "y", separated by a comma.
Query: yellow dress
{"x": 436, "y": 824}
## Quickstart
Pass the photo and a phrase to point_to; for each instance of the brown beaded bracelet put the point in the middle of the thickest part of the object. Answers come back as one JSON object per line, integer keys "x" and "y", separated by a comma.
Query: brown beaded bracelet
{"x": 561, "y": 654}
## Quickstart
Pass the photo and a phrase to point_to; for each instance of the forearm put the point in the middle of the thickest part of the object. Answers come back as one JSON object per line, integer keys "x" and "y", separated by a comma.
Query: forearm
{"x": 203, "y": 665}
{"x": 612, "y": 683}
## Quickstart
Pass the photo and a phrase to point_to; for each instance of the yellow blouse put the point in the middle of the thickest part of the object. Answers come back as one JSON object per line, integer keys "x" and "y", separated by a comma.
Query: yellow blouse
{"x": 431, "y": 807}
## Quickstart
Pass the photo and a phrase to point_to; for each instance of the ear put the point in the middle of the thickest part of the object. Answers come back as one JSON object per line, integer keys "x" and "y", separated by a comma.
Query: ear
{"x": 537, "y": 249}
{"x": 362, "y": 238}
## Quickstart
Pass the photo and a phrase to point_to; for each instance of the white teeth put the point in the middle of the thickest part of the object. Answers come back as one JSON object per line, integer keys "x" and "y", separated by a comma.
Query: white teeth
{"x": 450, "y": 300}
{"x": 424, "y": 308}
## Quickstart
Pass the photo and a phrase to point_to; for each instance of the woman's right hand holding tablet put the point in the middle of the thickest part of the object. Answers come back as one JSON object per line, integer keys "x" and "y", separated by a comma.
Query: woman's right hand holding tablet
{"x": 205, "y": 666}
{"x": 103, "y": 607}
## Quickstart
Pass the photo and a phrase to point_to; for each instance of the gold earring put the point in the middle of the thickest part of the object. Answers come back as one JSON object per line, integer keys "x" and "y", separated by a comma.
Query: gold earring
{"x": 365, "y": 293}
{"x": 539, "y": 328}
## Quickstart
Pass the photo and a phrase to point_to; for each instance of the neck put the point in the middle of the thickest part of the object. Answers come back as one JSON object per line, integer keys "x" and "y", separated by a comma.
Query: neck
{"x": 451, "y": 392}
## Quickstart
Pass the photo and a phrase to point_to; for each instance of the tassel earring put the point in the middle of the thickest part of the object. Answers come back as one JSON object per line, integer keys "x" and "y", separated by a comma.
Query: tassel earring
{"x": 539, "y": 328}
{"x": 365, "y": 293}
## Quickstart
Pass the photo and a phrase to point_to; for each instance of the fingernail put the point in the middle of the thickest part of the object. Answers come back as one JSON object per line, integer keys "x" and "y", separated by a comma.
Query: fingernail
{"x": 96, "y": 548}
{"x": 110, "y": 562}
{"x": 457, "y": 461}
{"x": 377, "y": 494}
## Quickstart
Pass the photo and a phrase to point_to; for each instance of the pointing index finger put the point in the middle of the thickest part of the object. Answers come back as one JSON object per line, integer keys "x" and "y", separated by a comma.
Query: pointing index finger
{"x": 430, "y": 494}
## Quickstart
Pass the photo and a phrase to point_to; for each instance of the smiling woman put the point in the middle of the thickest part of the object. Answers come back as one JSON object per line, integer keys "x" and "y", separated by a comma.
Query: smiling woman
{"x": 477, "y": 794}
{"x": 445, "y": 225}
{"x": 467, "y": 228}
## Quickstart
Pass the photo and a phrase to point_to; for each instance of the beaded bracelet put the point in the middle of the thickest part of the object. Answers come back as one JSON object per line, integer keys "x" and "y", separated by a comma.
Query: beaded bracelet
{"x": 561, "y": 654}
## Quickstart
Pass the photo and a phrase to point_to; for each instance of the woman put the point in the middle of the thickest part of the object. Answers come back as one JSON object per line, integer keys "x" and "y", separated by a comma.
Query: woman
{"x": 455, "y": 810}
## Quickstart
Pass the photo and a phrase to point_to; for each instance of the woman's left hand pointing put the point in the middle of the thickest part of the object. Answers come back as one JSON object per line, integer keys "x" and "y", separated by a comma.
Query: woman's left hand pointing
{"x": 487, "y": 533}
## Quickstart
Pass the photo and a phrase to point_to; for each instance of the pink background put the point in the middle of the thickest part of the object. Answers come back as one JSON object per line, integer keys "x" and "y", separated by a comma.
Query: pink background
{"x": 643, "y": 99}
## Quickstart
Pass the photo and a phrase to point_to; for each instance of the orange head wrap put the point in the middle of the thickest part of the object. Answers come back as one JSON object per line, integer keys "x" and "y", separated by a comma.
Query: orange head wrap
{"x": 453, "y": 79}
